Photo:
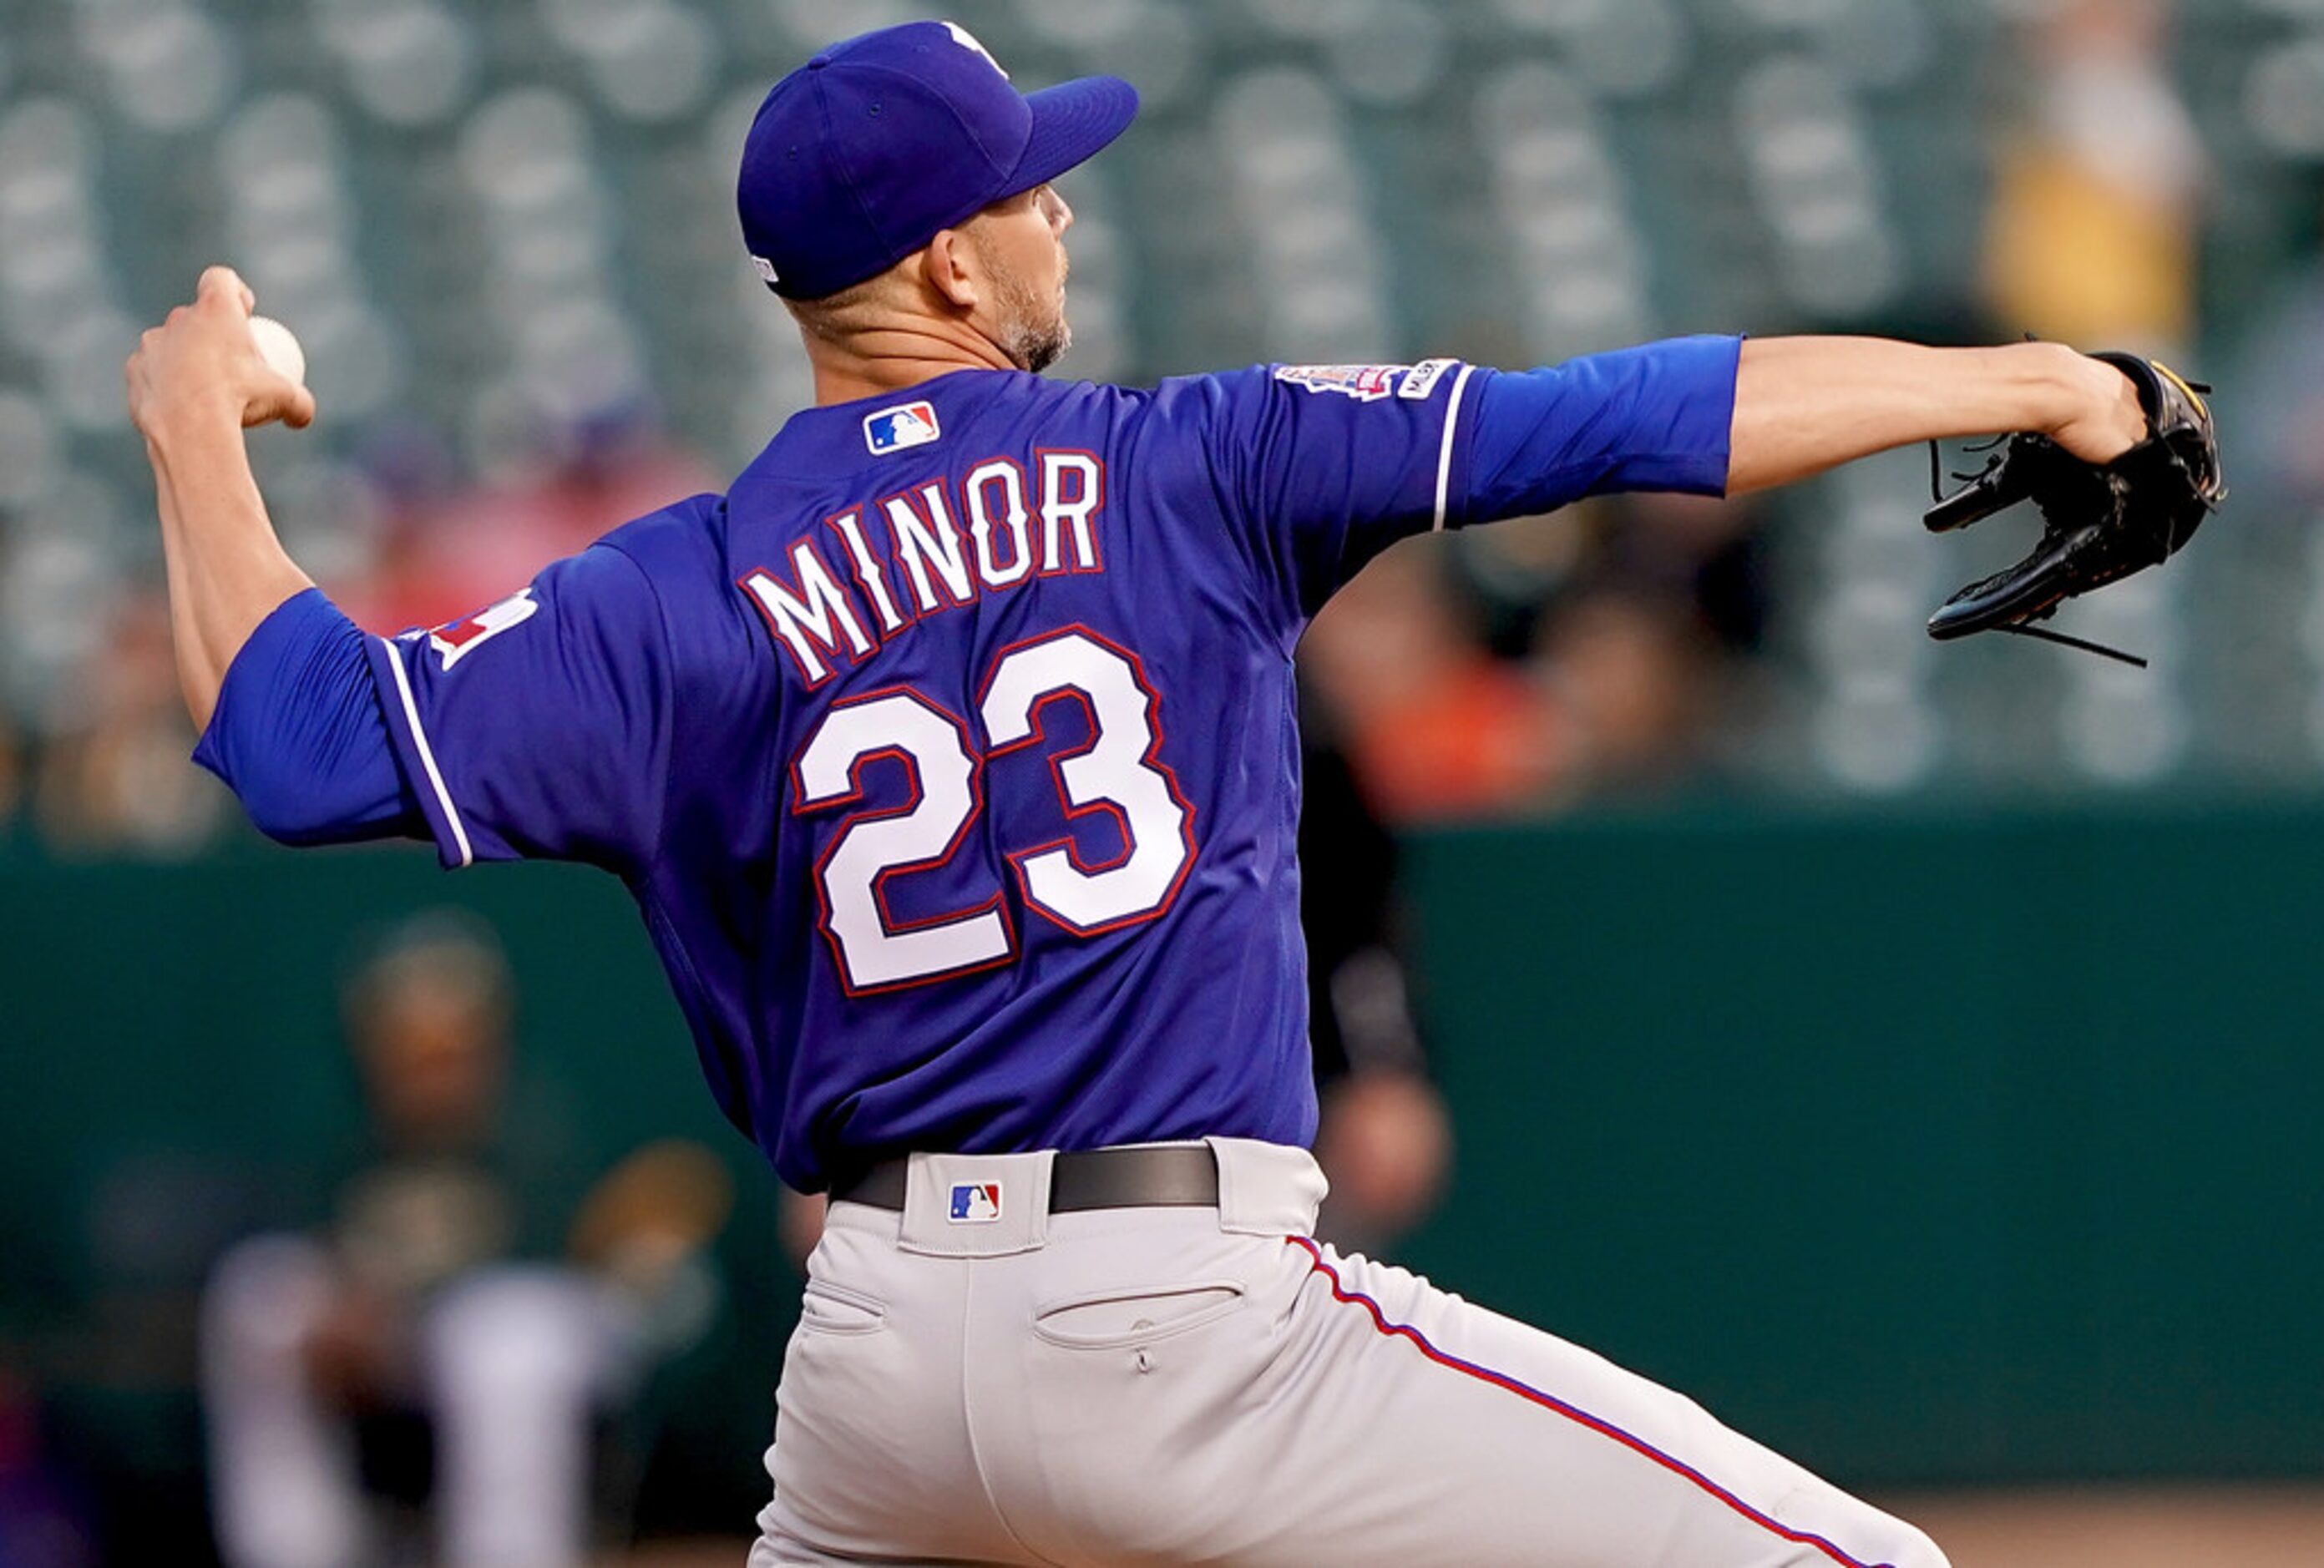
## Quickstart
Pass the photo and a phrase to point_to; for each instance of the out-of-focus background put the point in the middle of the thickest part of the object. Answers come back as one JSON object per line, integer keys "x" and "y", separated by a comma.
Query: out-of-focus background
{"x": 1912, "y": 1051}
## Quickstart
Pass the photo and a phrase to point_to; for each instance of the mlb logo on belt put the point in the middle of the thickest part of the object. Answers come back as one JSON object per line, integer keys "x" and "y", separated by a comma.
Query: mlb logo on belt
{"x": 895, "y": 429}
{"x": 975, "y": 1203}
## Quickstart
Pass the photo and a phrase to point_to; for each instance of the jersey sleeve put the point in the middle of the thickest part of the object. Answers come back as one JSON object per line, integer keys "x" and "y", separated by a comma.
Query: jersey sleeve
{"x": 539, "y": 726}
{"x": 299, "y": 736}
{"x": 1657, "y": 417}
{"x": 1321, "y": 467}
{"x": 1324, "y": 467}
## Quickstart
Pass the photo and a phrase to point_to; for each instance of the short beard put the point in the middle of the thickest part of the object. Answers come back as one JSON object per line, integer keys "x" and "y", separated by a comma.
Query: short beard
{"x": 1034, "y": 333}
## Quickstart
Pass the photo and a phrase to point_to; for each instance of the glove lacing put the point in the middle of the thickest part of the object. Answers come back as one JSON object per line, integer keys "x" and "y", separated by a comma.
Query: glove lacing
{"x": 2050, "y": 529}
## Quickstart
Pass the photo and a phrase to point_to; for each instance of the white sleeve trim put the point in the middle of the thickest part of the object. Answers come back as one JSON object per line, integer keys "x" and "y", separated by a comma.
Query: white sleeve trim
{"x": 427, "y": 753}
{"x": 1444, "y": 453}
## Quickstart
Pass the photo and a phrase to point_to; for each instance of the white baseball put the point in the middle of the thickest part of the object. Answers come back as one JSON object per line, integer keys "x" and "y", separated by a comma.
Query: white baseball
{"x": 279, "y": 347}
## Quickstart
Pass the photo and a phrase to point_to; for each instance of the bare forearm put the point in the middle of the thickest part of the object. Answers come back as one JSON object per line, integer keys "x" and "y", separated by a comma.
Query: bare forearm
{"x": 1806, "y": 404}
{"x": 227, "y": 569}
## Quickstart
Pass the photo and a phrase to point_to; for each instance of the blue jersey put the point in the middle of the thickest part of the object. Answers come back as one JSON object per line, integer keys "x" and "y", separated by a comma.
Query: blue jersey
{"x": 951, "y": 754}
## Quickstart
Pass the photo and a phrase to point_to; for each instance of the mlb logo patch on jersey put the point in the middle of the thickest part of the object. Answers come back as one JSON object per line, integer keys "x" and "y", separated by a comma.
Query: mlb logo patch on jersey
{"x": 1363, "y": 382}
{"x": 897, "y": 429}
{"x": 975, "y": 1203}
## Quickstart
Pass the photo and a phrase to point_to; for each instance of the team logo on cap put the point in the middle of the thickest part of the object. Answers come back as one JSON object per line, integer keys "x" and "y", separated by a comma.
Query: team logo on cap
{"x": 975, "y": 1203}
{"x": 1363, "y": 382}
{"x": 967, "y": 40}
{"x": 895, "y": 429}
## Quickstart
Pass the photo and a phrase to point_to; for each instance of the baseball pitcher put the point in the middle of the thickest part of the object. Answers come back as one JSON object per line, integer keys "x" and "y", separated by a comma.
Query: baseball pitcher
{"x": 951, "y": 756}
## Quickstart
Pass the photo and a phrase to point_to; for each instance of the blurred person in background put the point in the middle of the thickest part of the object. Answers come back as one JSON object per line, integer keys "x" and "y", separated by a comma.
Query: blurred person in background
{"x": 430, "y": 1350}
{"x": 1383, "y": 1138}
{"x": 2092, "y": 232}
{"x": 1514, "y": 670}
{"x": 112, "y": 776}
{"x": 1435, "y": 727}
{"x": 1644, "y": 643}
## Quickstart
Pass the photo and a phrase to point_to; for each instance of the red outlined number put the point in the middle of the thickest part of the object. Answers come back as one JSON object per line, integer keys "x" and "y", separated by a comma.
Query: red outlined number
{"x": 1118, "y": 772}
{"x": 874, "y": 952}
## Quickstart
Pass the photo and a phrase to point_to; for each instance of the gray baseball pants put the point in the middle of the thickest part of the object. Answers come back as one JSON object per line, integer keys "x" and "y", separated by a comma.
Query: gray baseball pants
{"x": 1196, "y": 1385}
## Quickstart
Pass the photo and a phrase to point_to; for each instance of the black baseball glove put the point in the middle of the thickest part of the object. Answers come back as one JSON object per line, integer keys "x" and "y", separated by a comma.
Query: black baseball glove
{"x": 2100, "y": 522}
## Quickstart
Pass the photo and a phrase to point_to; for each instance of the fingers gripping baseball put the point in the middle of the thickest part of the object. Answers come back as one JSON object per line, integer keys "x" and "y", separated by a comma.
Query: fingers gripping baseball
{"x": 204, "y": 355}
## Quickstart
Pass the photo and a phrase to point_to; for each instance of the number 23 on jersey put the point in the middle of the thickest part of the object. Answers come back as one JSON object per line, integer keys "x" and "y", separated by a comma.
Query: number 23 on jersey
{"x": 1118, "y": 773}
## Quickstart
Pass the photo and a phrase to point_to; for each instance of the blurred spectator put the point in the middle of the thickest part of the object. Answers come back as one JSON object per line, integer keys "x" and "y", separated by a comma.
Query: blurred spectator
{"x": 1628, "y": 669}
{"x": 1436, "y": 725}
{"x": 113, "y": 775}
{"x": 1384, "y": 1142}
{"x": 1512, "y": 668}
{"x": 1641, "y": 645}
{"x": 411, "y": 1357}
{"x": 2091, "y": 237}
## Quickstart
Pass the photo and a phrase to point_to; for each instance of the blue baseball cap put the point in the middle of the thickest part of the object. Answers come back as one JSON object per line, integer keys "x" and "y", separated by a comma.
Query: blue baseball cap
{"x": 861, "y": 155}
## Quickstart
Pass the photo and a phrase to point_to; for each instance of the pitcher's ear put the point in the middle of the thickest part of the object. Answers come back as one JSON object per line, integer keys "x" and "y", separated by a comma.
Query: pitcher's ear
{"x": 951, "y": 267}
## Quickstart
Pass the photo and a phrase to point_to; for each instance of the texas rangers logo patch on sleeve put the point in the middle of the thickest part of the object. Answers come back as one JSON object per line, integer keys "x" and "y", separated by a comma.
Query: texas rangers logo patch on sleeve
{"x": 904, "y": 425}
{"x": 456, "y": 639}
{"x": 1363, "y": 382}
{"x": 975, "y": 1203}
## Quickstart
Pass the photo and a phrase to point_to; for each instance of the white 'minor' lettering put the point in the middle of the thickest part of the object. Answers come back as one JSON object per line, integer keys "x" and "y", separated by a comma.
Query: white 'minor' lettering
{"x": 811, "y": 621}
{"x": 947, "y": 541}
{"x": 1070, "y": 506}
{"x": 925, "y": 541}
{"x": 1001, "y": 474}
{"x": 850, "y": 526}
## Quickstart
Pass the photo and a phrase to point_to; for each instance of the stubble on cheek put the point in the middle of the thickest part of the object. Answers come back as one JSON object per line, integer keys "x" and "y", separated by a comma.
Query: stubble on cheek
{"x": 1033, "y": 331}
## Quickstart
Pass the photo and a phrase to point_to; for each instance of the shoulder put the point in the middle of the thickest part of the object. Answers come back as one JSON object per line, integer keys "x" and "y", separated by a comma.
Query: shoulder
{"x": 1186, "y": 406}
{"x": 678, "y": 555}
{"x": 684, "y": 539}
{"x": 1211, "y": 389}
{"x": 1260, "y": 391}
{"x": 671, "y": 567}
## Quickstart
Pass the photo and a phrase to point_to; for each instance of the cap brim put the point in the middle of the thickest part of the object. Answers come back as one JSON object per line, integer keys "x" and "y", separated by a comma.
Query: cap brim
{"x": 1073, "y": 122}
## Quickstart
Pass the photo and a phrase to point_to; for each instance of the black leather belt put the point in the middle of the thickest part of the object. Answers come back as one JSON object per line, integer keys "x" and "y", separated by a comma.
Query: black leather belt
{"x": 1091, "y": 1178}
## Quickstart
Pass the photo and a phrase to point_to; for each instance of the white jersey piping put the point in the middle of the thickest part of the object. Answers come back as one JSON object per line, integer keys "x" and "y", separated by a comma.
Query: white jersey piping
{"x": 1444, "y": 454}
{"x": 427, "y": 753}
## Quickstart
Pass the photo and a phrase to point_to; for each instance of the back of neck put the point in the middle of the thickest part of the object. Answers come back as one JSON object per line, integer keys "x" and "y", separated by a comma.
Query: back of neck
{"x": 892, "y": 358}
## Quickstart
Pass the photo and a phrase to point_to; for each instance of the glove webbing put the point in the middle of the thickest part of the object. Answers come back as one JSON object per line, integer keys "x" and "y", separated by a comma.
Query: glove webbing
{"x": 2019, "y": 628}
